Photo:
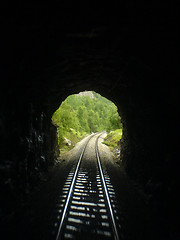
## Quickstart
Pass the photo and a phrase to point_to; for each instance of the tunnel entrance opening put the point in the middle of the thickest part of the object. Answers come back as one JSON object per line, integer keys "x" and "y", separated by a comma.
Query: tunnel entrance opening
{"x": 85, "y": 113}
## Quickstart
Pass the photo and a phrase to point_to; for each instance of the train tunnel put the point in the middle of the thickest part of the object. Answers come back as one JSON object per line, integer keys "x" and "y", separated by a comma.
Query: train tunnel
{"x": 128, "y": 54}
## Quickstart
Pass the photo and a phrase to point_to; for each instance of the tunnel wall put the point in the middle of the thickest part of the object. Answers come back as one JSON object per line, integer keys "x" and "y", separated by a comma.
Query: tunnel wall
{"x": 28, "y": 147}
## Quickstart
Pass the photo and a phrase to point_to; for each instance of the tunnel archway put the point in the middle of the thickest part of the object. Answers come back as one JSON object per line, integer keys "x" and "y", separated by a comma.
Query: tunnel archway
{"x": 133, "y": 63}
{"x": 132, "y": 97}
{"x": 85, "y": 113}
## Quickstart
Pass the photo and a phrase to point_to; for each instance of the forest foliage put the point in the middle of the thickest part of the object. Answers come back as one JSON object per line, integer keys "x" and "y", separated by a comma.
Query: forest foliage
{"x": 80, "y": 115}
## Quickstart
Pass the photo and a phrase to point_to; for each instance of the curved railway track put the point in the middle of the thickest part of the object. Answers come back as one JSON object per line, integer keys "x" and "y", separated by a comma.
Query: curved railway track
{"x": 88, "y": 204}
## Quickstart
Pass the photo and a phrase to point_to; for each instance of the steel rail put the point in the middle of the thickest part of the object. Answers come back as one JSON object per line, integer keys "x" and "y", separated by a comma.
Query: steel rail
{"x": 71, "y": 189}
{"x": 116, "y": 236}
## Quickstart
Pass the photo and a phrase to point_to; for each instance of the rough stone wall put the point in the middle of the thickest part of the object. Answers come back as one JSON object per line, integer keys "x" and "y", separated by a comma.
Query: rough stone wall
{"x": 28, "y": 148}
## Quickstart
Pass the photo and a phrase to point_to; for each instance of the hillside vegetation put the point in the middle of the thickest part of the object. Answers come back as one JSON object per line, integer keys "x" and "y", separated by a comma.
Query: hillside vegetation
{"x": 84, "y": 113}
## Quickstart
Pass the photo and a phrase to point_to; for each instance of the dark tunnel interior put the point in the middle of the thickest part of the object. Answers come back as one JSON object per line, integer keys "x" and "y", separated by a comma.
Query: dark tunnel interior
{"x": 128, "y": 53}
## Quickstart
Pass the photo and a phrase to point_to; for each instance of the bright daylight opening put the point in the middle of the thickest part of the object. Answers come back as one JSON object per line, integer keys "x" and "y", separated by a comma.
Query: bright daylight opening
{"x": 85, "y": 113}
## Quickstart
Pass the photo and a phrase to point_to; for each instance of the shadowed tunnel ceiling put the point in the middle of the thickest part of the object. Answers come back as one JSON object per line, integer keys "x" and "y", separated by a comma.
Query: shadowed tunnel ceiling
{"x": 128, "y": 54}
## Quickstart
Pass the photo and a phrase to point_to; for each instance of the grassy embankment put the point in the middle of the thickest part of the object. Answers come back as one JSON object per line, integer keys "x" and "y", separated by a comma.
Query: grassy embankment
{"x": 112, "y": 141}
{"x": 73, "y": 136}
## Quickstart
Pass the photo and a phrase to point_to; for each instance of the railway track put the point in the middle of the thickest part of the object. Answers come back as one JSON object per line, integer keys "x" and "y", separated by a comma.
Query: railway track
{"x": 87, "y": 203}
